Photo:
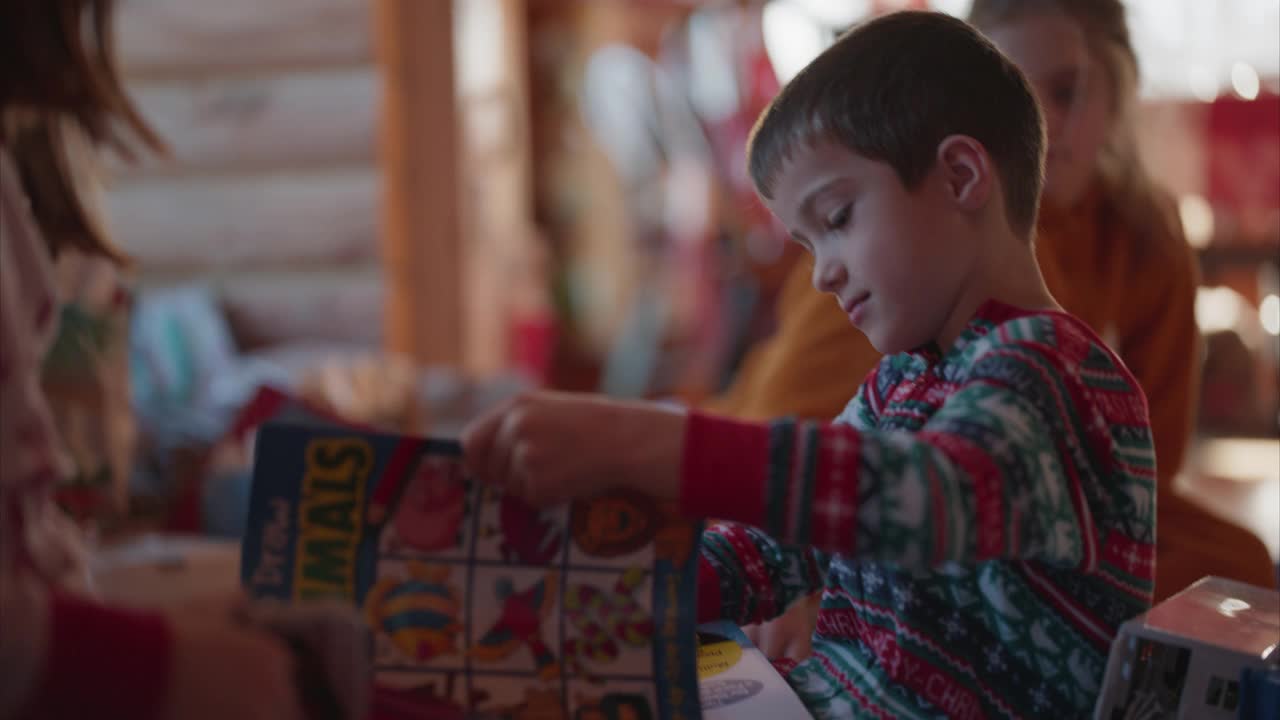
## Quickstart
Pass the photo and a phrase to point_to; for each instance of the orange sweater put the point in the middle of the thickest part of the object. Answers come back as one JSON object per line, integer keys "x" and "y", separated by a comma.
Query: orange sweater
{"x": 1137, "y": 292}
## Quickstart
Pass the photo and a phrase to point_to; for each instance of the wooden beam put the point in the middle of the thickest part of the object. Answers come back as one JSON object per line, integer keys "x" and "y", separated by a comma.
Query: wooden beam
{"x": 285, "y": 220}
{"x": 421, "y": 188}
{"x": 258, "y": 122}
{"x": 167, "y": 37}
{"x": 501, "y": 269}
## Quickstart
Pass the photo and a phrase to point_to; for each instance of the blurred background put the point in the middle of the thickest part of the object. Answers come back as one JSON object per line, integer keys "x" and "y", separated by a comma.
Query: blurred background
{"x": 400, "y": 212}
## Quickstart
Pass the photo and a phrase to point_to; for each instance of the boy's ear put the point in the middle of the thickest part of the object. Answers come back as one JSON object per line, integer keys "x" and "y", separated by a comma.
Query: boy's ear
{"x": 967, "y": 171}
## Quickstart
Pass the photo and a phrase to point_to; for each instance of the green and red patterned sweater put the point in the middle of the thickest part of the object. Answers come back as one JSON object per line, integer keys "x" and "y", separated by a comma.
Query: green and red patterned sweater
{"x": 979, "y": 522}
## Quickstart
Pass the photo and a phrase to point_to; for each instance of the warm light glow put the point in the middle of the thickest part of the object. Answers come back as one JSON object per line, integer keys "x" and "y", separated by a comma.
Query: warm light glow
{"x": 1191, "y": 48}
{"x": 1203, "y": 85}
{"x": 1242, "y": 460}
{"x": 1244, "y": 80}
{"x": 835, "y": 13}
{"x": 958, "y": 8}
{"x": 1231, "y": 606}
{"x": 1197, "y": 220}
{"x": 792, "y": 38}
{"x": 480, "y": 37}
{"x": 1269, "y": 314}
{"x": 713, "y": 88}
{"x": 1218, "y": 308}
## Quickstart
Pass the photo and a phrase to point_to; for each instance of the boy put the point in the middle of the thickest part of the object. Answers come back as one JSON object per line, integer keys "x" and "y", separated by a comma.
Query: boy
{"x": 980, "y": 518}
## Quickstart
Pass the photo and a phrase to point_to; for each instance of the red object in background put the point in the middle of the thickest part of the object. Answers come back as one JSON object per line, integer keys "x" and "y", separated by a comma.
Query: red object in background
{"x": 268, "y": 403}
{"x": 1243, "y": 157}
{"x": 82, "y": 502}
{"x": 186, "y": 515}
{"x": 532, "y": 346}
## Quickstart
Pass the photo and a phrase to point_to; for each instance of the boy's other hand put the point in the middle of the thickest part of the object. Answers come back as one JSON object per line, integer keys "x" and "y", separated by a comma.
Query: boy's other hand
{"x": 789, "y": 635}
{"x": 550, "y": 448}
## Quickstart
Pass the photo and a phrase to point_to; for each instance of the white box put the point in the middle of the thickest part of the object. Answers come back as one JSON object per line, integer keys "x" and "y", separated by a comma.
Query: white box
{"x": 1183, "y": 657}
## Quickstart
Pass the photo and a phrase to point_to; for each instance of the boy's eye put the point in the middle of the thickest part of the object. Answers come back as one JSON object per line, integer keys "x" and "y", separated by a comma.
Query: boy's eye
{"x": 839, "y": 218}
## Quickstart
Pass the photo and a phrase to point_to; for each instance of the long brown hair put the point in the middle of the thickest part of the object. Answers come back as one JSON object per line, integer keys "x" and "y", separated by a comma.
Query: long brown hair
{"x": 1127, "y": 186}
{"x": 61, "y": 96}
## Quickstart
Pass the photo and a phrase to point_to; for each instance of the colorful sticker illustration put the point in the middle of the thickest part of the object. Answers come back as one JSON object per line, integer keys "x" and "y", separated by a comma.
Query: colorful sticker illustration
{"x": 418, "y": 613}
{"x": 520, "y": 625}
{"x": 427, "y": 516}
{"x": 603, "y": 621}
{"x": 527, "y": 536}
{"x": 615, "y": 525}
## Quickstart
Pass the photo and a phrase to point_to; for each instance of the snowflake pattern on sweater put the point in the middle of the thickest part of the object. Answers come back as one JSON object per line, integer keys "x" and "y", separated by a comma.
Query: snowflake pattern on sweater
{"x": 979, "y": 524}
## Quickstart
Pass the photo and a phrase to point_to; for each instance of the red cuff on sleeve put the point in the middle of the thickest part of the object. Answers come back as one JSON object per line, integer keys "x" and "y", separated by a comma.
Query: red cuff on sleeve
{"x": 709, "y": 601}
{"x": 723, "y": 471}
{"x": 103, "y": 663}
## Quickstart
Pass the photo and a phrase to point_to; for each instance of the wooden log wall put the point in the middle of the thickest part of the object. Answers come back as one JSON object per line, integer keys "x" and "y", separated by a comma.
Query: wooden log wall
{"x": 342, "y": 170}
{"x": 272, "y": 192}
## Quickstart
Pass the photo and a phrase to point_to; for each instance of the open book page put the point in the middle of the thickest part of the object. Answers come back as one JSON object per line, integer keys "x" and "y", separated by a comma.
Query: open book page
{"x": 479, "y": 605}
{"x": 737, "y": 682}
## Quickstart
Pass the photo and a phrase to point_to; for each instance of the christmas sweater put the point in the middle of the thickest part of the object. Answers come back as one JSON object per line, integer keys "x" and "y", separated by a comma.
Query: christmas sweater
{"x": 979, "y": 521}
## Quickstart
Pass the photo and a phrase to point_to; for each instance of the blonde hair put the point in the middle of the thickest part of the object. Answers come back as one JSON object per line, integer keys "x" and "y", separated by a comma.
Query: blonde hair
{"x": 1128, "y": 188}
{"x": 60, "y": 96}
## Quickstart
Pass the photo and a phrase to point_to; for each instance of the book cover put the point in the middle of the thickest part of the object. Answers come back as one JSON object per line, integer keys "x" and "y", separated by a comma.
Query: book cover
{"x": 479, "y": 605}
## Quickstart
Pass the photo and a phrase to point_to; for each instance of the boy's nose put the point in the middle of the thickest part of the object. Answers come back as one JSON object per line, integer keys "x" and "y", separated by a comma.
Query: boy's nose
{"x": 829, "y": 276}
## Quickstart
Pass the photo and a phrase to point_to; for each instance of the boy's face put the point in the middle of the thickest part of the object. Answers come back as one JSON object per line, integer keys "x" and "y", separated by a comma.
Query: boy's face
{"x": 894, "y": 259}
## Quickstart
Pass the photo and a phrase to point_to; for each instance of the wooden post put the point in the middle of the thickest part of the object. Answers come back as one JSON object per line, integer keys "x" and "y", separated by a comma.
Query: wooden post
{"x": 419, "y": 154}
{"x": 493, "y": 116}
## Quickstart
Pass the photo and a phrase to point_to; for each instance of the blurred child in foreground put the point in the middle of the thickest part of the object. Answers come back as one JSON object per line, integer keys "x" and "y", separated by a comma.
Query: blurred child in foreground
{"x": 65, "y": 655}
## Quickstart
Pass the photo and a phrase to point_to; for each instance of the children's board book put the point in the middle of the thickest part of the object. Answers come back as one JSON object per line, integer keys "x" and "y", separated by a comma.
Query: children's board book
{"x": 737, "y": 682}
{"x": 479, "y": 605}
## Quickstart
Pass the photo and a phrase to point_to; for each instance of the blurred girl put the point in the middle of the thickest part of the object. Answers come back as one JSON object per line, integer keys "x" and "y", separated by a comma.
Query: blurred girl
{"x": 1113, "y": 253}
{"x": 66, "y": 656}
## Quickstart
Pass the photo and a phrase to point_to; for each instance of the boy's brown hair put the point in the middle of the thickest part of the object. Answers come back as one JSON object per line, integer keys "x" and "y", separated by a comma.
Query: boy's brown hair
{"x": 59, "y": 84}
{"x": 892, "y": 89}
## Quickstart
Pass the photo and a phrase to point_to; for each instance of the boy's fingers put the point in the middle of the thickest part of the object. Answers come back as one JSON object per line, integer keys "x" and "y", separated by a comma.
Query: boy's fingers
{"x": 477, "y": 443}
{"x": 497, "y": 461}
{"x": 525, "y": 478}
{"x": 519, "y": 487}
{"x": 490, "y": 456}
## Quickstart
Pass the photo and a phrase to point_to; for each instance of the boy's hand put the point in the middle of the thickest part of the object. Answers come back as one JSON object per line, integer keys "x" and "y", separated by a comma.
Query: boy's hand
{"x": 789, "y": 635}
{"x": 221, "y": 669}
{"x": 549, "y": 448}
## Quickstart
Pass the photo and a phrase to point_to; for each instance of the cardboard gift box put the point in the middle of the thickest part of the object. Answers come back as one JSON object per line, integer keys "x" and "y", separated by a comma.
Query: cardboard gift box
{"x": 1187, "y": 657}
